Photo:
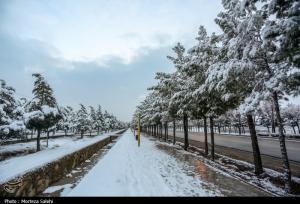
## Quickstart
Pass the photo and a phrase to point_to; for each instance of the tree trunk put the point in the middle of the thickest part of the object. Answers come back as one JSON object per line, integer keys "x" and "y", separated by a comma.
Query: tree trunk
{"x": 26, "y": 136}
{"x": 160, "y": 130}
{"x": 81, "y": 134}
{"x": 205, "y": 136}
{"x": 153, "y": 130}
{"x": 185, "y": 127}
{"x": 38, "y": 138}
{"x": 294, "y": 129}
{"x": 158, "y": 127}
{"x": 285, "y": 160}
{"x": 273, "y": 121}
{"x": 165, "y": 132}
{"x": 212, "y": 138}
{"x": 255, "y": 147}
{"x": 174, "y": 132}
{"x": 48, "y": 132}
{"x": 269, "y": 130}
{"x": 240, "y": 125}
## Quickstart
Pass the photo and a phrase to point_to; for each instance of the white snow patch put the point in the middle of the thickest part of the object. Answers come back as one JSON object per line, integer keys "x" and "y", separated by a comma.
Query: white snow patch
{"x": 129, "y": 170}
{"x": 14, "y": 167}
{"x": 53, "y": 189}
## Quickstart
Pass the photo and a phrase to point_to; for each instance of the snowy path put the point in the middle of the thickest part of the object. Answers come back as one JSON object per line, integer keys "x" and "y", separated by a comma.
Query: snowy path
{"x": 58, "y": 148}
{"x": 128, "y": 170}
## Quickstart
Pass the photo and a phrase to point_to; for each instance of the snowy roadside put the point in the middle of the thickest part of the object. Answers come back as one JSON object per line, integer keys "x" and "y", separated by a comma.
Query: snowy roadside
{"x": 270, "y": 181}
{"x": 16, "y": 166}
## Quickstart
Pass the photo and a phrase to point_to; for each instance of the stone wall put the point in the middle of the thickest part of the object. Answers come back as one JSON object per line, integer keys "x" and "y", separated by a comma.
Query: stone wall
{"x": 35, "y": 182}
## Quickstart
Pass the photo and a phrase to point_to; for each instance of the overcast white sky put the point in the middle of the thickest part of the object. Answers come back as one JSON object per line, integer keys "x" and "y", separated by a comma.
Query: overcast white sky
{"x": 96, "y": 51}
{"x": 94, "y": 29}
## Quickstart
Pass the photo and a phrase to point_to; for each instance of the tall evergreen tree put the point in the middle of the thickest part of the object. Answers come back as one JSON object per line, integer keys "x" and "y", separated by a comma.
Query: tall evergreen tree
{"x": 82, "y": 122}
{"x": 234, "y": 73}
{"x": 11, "y": 112}
{"x": 179, "y": 99}
{"x": 43, "y": 112}
{"x": 99, "y": 119}
{"x": 66, "y": 122}
{"x": 275, "y": 51}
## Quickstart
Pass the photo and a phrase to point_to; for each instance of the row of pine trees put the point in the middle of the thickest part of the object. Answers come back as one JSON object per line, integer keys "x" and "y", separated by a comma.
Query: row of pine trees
{"x": 234, "y": 122}
{"x": 18, "y": 116}
{"x": 254, "y": 60}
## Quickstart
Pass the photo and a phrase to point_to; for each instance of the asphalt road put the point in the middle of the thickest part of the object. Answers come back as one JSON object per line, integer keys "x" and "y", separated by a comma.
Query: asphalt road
{"x": 268, "y": 146}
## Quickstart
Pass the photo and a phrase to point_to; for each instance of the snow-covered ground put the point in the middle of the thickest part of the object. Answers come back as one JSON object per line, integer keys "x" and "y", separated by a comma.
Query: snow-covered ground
{"x": 53, "y": 142}
{"x": 17, "y": 147}
{"x": 44, "y": 136}
{"x": 129, "y": 170}
{"x": 58, "y": 148}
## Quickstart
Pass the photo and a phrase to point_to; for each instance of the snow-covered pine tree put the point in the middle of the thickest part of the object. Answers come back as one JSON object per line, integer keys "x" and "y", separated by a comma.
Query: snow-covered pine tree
{"x": 151, "y": 111}
{"x": 173, "y": 108}
{"x": 11, "y": 113}
{"x": 206, "y": 92}
{"x": 66, "y": 122}
{"x": 179, "y": 99}
{"x": 82, "y": 122}
{"x": 92, "y": 119}
{"x": 200, "y": 58}
{"x": 146, "y": 112}
{"x": 266, "y": 114}
{"x": 99, "y": 119}
{"x": 291, "y": 114}
{"x": 281, "y": 41}
{"x": 274, "y": 48}
{"x": 106, "y": 118}
{"x": 157, "y": 108}
{"x": 164, "y": 90}
{"x": 113, "y": 122}
{"x": 281, "y": 31}
{"x": 42, "y": 109}
{"x": 234, "y": 73}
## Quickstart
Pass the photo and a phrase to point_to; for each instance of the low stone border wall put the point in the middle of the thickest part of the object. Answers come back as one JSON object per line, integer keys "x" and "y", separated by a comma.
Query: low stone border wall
{"x": 36, "y": 181}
